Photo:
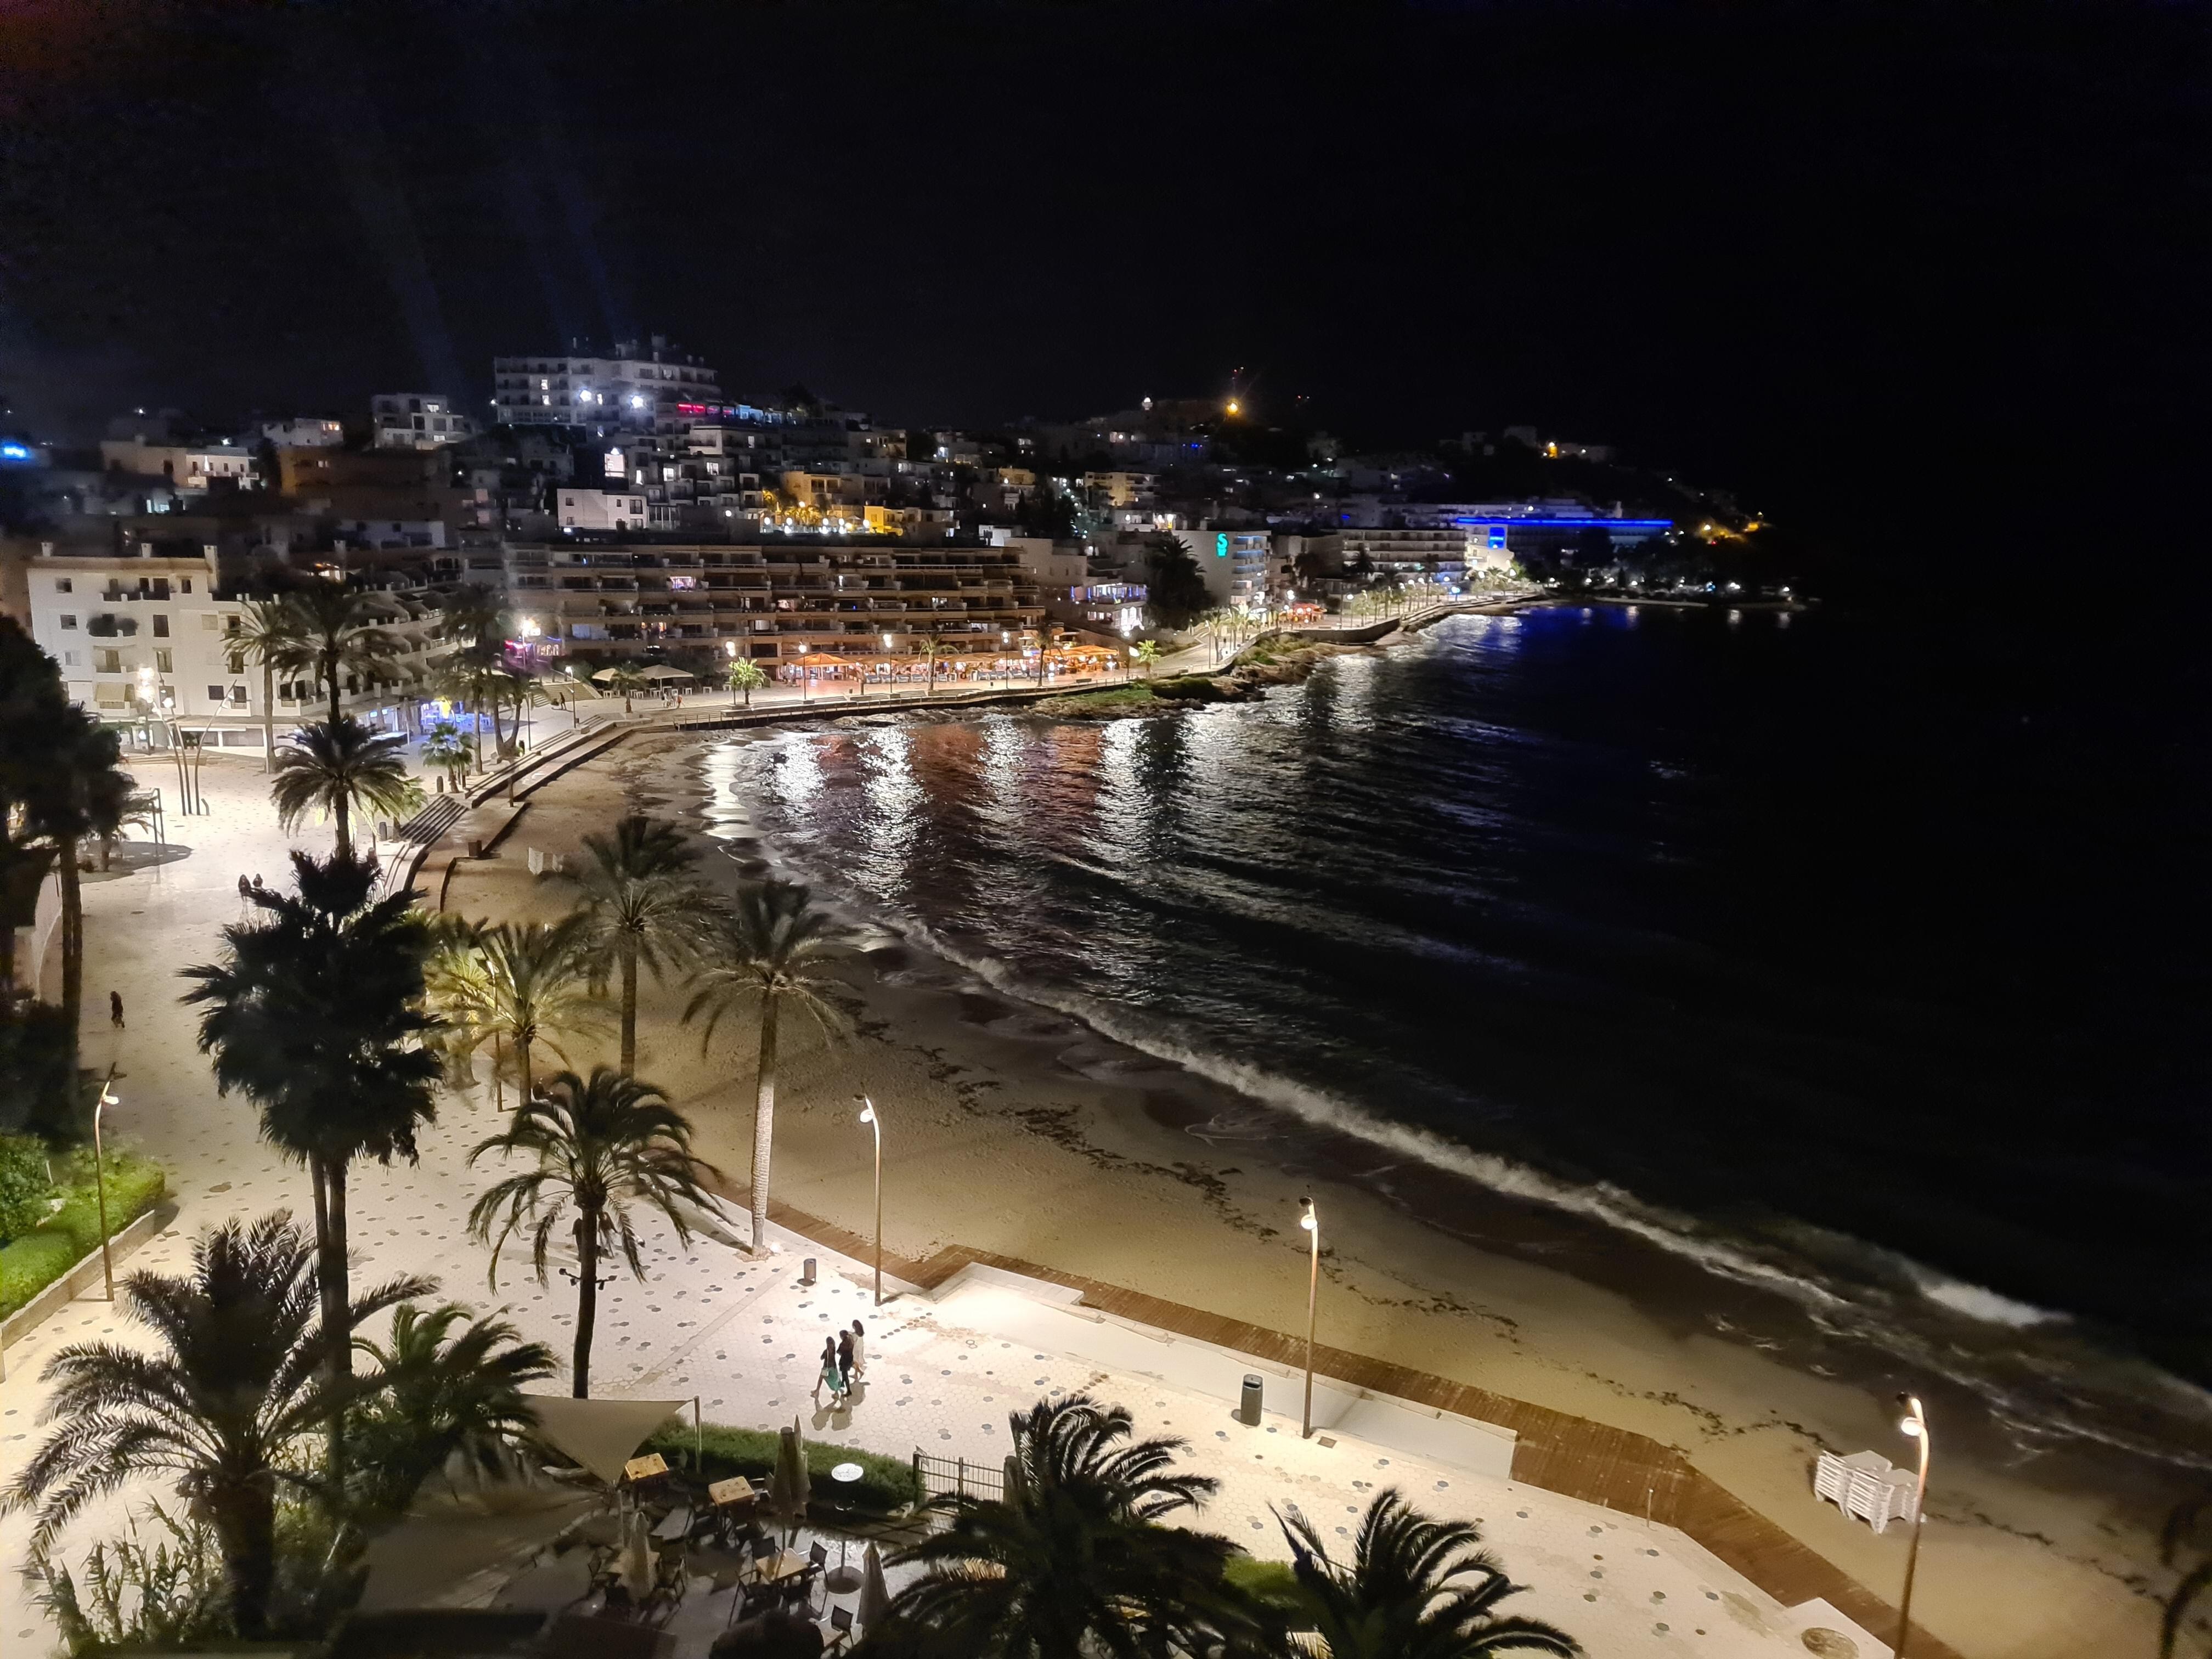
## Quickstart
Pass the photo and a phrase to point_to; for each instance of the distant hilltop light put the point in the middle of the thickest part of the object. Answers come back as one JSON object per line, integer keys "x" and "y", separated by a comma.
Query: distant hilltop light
{"x": 1233, "y": 405}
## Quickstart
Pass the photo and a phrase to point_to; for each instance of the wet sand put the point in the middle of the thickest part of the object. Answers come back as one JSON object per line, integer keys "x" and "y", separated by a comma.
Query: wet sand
{"x": 1013, "y": 1129}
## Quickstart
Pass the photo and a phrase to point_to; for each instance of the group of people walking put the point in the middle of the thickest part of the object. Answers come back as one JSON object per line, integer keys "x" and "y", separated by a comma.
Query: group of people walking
{"x": 844, "y": 1358}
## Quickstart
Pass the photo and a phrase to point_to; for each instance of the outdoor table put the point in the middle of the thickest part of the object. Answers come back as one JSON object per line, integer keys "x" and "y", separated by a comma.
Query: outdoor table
{"x": 645, "y": 1468}
{"x": 784, "y": 1563}
{"x": 735, "y": 1490}
{"x": 844, "y": 1577}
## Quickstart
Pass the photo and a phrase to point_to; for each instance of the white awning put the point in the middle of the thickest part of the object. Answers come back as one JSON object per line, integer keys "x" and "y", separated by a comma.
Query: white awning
{"x": 602, "y": 1435}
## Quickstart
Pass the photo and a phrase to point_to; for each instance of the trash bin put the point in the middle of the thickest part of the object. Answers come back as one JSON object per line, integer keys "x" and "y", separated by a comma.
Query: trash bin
{"x": 806, "y": 1271}
{"x": 1248, "y": 1411}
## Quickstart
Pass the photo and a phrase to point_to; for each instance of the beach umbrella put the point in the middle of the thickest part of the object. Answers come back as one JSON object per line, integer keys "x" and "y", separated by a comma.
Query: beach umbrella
{"x": 805, "y": 1479}
{"x": 782, "y": 1479}
{"x": 875, "y": 1595}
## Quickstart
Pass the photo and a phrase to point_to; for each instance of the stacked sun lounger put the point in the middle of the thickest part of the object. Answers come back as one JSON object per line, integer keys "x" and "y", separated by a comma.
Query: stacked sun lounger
{"x": 1868, "y": 1485}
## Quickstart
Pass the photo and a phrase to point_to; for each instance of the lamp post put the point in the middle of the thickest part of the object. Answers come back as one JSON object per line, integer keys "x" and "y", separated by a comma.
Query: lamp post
{"x": 99, "y": 1180}
{"x": 1312, "y": 1222}
{"x": 868, "y": 1117}
{"x": 1915, "y": 1426}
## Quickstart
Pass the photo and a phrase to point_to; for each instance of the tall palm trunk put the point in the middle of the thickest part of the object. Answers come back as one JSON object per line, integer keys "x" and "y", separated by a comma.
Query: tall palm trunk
{"x": 332, "y": 678}
{"x": 630, "y": 1005}
{"x": 329, "y": 1181}
{"x": 268, "y": 717}
{"x": 587, "y": 1300}
{"x": 764, "y": 1122}
{"x": 341, "y": 808}
{"x": 72, "y": 947}
{"x": 245, "y": 1519}
{"x": 523, "y": 1039}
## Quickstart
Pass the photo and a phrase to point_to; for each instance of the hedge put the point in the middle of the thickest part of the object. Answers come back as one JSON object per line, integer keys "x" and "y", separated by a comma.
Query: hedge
{"x": 886, "y": 1484}
{"x": 33, "y": 1261}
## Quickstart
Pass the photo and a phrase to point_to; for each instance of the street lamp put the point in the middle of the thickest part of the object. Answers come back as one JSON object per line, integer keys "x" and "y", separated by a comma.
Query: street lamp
{"x": 99, "y": 1179}
{"x": 868, "y": 1117}
{"x": 1312, "y": 1222}
{"x": 1915, "y": 1426}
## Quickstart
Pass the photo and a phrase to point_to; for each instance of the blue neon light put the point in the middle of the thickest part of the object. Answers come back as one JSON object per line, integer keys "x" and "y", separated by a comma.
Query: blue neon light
{"x": 15, "y": 452}
{"x": 1571, "y": 523}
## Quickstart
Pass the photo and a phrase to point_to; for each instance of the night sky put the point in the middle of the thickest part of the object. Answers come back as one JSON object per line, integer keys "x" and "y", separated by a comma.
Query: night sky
{"x": 1905, "y": 265}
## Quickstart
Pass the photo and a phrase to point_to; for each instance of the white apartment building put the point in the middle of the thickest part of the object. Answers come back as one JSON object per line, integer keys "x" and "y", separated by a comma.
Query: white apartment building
{"x": 634, "y": 388}
{"x": 147, "y": 639}
{"x": 417, "y": 420}
{"x": 303, "y": 432}
{"x": 1239, "y": 566}
{"x": 191, "y": 467}
{"x": 600, "y": 509}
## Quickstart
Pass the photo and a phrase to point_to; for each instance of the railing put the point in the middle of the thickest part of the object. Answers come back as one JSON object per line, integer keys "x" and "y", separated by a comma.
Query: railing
{"x": 935, "y": 1476}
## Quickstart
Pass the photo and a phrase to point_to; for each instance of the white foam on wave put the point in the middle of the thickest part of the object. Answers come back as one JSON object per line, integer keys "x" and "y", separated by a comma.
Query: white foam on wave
{"x": 1611, "y": 1205}
{"x": 1977, "y": 1302}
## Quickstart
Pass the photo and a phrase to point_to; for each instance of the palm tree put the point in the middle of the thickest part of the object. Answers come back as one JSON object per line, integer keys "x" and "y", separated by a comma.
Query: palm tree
{"x": 627, "y": 680}
{"x": 315, "y": 1017}
{"x": 76, "y": 790}
{"x": 1416, "y": 1587}
{"x": 450, "y": 749}
{"x": 774, "y": 945}
{"x": 266, "y": 632}
{"x": 746, "y": 675}
{"x": 642, "y": 909}
{"x": 446, "y": 1393}
{"x": 1073, "y": 1561}
{"x": 222, "y": 1405}
{"x": 338, "y": 765}
{"x": 1146, "y": 652}
{"x": 600, "y": 1147}
{"x": 334, "y": 631}
{"x": 116, "y": 804}
{"x": 522, "y": 984}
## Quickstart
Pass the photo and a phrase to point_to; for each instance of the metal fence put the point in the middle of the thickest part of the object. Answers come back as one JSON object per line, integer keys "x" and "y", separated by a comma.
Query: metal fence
{"x": 936, "y": 1475}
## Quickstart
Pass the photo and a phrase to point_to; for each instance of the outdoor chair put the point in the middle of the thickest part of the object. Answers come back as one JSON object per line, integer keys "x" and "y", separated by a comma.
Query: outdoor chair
{"x": 841, "y": 1629}
{"x": 755, "y": 1599}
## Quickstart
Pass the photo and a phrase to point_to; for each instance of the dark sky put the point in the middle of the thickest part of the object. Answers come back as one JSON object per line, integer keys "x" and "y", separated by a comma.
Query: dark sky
{"x": 1924, "y": 258}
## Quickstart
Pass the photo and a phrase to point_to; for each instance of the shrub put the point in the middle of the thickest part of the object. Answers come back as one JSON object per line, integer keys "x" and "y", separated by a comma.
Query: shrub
{"x": 26, "y": 1186}
{"x": 886, "y": 1484}
{"x": 1271, "y": 1583}
{"x": 37, "y": 1071}
{"x": 50, "y": 1249}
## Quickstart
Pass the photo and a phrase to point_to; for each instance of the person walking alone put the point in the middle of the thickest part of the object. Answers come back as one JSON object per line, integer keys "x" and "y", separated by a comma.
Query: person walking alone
{"x": 115, "y": 1009}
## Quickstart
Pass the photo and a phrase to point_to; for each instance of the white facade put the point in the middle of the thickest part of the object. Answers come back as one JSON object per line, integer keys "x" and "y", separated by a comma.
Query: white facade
{"x": 599, "y": 509}
{"x": 147, "y": 638}
{"x": 634, "y": 390}
{"x": 1239, "y": 566}
{"x": 190, "y": 467}
{"x": 417, "y": 420}
{"x": 303, "y": 432}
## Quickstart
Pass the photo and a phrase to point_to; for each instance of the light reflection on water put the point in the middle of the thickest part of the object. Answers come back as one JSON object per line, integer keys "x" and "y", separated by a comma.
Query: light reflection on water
{"x": 1618, "y": 893}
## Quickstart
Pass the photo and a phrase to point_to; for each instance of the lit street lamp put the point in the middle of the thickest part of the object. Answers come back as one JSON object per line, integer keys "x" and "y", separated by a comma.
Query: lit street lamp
{"x": 99, "y": 1179}
{"x": 868, "y": 1117}
{"x": 1915, "y": 1425}
{"x": 1312, "y": 1222}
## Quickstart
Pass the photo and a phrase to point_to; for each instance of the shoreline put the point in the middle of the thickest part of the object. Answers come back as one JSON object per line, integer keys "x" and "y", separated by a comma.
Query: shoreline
{"x": 1023, "y": 1133}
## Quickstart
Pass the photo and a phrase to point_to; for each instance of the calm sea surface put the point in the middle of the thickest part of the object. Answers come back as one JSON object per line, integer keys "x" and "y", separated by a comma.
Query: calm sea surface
{"x": 1865, "y": 955}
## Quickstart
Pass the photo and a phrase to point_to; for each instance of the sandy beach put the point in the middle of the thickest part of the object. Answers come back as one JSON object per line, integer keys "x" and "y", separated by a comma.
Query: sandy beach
{"x": 1014, "y": 1129}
